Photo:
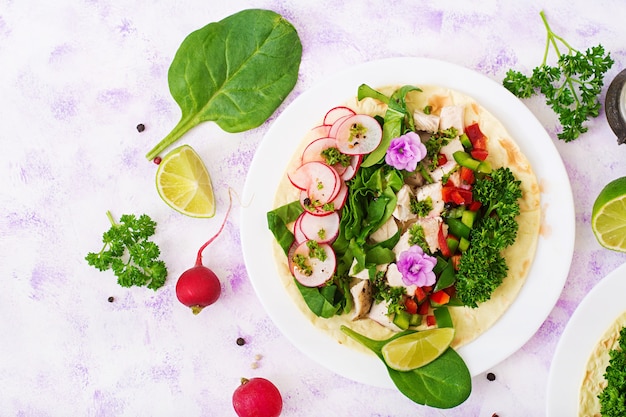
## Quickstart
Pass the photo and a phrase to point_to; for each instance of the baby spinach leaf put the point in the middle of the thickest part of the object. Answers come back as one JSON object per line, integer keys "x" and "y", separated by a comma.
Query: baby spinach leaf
{"x": 443, "y": 383}
{"x": 235, "y": 72}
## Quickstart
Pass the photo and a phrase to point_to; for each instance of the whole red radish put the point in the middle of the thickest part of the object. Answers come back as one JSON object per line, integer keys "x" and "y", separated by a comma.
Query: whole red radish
{"x": 257, "y": 397}
{"x": 199, "y": 287}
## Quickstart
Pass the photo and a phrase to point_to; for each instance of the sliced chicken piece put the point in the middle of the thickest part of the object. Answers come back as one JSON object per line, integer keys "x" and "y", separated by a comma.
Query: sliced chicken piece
{"x": 431, "y": 227}
{"x": 378, "y": 313}
{"x": 385, "y": 232}
{"x": 394, "y": 279}
{"x": 434, "y": 192}
{"x": 426, "y": 122}
{"x": 362, "y": 295}
{"x": 402, "y": 211}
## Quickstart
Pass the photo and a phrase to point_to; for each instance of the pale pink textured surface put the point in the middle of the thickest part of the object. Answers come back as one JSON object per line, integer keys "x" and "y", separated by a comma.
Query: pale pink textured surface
{"x": 78, "y": 76}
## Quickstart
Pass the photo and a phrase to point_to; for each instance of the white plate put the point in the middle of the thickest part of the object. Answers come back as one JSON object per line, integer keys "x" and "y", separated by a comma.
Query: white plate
{"x": 555, "y": 247}
{"x": 593, "y": 316}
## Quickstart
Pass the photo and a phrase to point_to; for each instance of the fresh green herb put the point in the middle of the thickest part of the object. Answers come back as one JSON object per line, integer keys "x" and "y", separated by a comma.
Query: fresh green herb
{"x": 434, "y": 144}
{"x": 427, "y": 109}
{"x": 482, "y": 267}
{"x": 443, "y": 383}
{"x": 129, "y": 253}
{"x": 302, "y": 263}
{"x": 315, "y": 251}
{"x": 334, "y": 156}
{"x": 417, "y": 236}
{"x": 571, "y": 88}
{"x": 235, "y": 72}
{"x": 421, "y": 208}
{"x": 393, "y": 296}
{"x": 613, "y": 397}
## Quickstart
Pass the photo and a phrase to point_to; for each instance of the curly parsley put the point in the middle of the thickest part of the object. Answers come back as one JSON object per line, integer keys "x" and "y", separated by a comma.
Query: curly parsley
{"x": 571, "y": 88}
{"x": 613, "y": 397}
{"x": 129, "y": 253}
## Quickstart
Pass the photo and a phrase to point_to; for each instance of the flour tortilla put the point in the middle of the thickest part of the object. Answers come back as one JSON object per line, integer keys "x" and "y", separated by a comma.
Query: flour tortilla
{"x": 593, "y": 381}
{"x": 503, "y": 151}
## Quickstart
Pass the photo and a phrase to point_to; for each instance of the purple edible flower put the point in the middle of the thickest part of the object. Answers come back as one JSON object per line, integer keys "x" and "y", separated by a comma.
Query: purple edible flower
{"x": 405, "y": 152}
{"x": 416, "y": 267}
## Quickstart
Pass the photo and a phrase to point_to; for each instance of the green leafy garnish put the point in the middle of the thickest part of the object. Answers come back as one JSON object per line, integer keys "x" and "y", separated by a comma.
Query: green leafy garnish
{"x": 571, "y": 88}
{"x": 482, "y": 267}
{"x": 613, "y": 397}
{"x": 443, "y": 383}
{"x": 235, "y": 72}
{"x": 129, "y": 253}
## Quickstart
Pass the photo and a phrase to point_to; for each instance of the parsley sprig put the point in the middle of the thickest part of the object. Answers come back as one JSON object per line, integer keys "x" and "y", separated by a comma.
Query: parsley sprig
{"x": 571, "y": 87}
{"x": 129, "y": 253}
{"x": 613, "y": 397}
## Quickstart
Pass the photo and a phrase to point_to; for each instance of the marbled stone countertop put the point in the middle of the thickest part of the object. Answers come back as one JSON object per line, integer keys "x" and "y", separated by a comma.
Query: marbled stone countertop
{"x": 76, "y": 79}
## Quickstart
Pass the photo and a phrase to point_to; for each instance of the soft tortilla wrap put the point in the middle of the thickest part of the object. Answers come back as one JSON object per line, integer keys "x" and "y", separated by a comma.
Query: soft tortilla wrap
{"x": 593, "y": 381}
{"x": 503, "y": 151}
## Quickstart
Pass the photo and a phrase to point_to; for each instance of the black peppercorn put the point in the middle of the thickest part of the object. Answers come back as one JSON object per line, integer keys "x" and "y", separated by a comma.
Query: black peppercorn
{"x": 491, "y": 376}
{"x": 111, "y": 299}
{"x": 141, "y": 127}
{"x": 241, "y": 341}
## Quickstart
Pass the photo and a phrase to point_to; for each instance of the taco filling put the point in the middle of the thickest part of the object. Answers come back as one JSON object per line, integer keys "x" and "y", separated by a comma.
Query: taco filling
{"x": 406, "y": 208}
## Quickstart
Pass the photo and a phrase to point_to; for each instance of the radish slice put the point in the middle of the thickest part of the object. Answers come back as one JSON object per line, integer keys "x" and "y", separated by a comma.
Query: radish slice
{"x": 324, "y": 182}
{"x": 322, "y": 229}
{"x": 312, "y": 271}
{"x": 309, "y": 206}
{"x": 341, "y": 198}
{"x": 335, "y": 126}
{"x": 317, "y": 176}
{"x": 351, "y": 170}
{"x": 313, "y": 152}
{"x": 358, "y": 135}
{"x": 297, "y": 230}
{"x": 337, "y": 113}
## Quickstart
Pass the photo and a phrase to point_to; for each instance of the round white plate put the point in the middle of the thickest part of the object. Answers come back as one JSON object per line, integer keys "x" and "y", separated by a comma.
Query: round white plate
{"x": 593, "y": 316}
{"x": 556, "y": 242}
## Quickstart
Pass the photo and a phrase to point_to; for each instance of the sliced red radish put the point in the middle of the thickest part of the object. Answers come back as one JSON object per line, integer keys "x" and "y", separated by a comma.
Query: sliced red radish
{"x": 322, "y": 229}
{"x": 297, "y": 230}
{"x": 318, "y": 132}
{"x": 317, "y": 176}
{"x": 310, "y": 270}
{"x": 314, "y": 207}
{"x": 341, "y": 198}
{"x": 336, "y": 113}
{"x": 335, "y": 126}
{"x": 351, "y": 170}
{"x": 325, "y": 182}
{"x": 358, "y": 135}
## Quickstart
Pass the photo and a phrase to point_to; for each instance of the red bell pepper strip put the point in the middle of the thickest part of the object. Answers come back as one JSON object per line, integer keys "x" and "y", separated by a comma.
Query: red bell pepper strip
{"x": 410, "y": 305}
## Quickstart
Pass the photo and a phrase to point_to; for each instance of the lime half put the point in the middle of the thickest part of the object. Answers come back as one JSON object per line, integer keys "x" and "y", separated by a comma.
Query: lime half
{"x": 183, "y": 182}
{"x": 417, "y": 349}
{"x": 608, "y": 216}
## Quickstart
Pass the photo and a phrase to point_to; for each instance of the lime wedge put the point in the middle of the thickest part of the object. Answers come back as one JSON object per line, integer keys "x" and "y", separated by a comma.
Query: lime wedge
{"x": 183, "y": 182}
{"x": 417, "y": 349}
{"x": 608, "y": 216}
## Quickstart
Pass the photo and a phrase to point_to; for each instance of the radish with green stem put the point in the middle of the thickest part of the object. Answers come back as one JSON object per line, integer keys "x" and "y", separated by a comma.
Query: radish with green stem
{"x": 199, "y": 287}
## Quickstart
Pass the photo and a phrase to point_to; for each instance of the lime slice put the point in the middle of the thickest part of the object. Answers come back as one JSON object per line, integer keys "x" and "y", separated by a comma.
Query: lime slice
{"x": 417, "y": 349}
{"x": 183, "y": 182}
{"x": 608, "y": 216}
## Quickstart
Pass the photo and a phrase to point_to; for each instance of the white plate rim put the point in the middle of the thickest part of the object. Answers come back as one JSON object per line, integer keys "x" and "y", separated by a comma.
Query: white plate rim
{"x": 592, "y": 317}
{"x": 537, "y": 297}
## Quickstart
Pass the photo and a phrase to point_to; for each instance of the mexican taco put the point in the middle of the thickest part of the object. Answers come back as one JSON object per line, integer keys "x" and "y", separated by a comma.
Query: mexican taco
{"x": 592, "y": 393}
{"x": 408, "y": 207}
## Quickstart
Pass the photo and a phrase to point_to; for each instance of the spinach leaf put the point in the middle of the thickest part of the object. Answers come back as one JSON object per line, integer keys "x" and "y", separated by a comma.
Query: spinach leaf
{"x": 321, "y": 301}
{"x": 443, "y": 383}
{"x": 278, "y": 219}
{"x": 235, "y": 72}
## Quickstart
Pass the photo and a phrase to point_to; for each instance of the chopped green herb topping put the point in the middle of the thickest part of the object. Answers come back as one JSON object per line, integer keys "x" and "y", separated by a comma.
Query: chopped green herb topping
{"x": 315, "y": 251}
{"x": 421, "y": 208}
{"x": 333, "y": 156}
{"x": 613, "y": 397}
{"x": 301, "y": 262}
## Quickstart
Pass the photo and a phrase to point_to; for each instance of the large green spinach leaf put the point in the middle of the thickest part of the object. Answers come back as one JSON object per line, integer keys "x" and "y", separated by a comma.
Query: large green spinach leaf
{"x": 443, "y": 383}
{"x": 235, "y": 72}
